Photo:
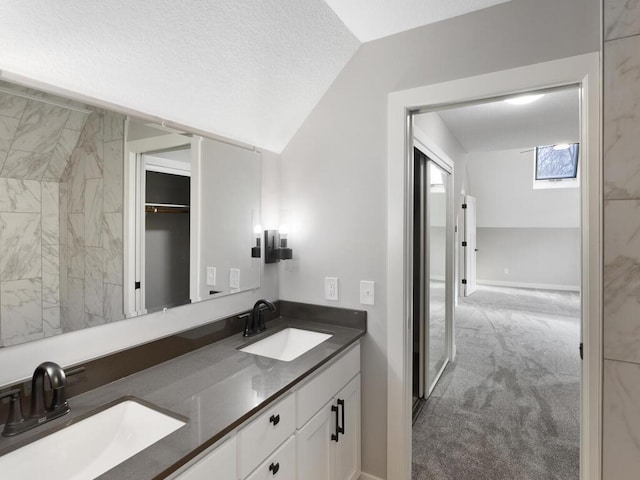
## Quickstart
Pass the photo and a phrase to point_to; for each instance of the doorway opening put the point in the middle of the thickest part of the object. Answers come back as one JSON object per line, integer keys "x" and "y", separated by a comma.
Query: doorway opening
{"x": 161, "y": 182}
{"x": 517, "y": 370}
{"x": 582, "y": 71}
{"x": 166, "y": 184}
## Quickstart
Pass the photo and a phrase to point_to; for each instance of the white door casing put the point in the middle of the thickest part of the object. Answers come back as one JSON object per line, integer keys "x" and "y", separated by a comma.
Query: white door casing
{"x": 134, "y": 218}
{"x": 470, "y": 246}
{"x": 580, "y": 70}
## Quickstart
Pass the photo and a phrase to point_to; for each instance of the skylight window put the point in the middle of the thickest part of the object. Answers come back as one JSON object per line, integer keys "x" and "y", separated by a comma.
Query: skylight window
{"x": 556, "y": 162}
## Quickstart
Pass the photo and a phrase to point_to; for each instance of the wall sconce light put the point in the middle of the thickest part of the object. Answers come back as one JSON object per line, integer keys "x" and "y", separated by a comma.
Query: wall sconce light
{"x": 255, "y": 251}
{"x": 256, "y": 233}
{"x": 276, "y": 247}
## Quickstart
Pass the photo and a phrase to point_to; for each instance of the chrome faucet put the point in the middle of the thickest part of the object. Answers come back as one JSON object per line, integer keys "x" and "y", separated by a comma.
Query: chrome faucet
{"x": 40, "y": 413}
{"x": 255, "y": 320}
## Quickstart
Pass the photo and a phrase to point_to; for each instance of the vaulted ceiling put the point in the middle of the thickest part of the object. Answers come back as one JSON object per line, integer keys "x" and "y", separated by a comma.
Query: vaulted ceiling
{"x": 373, "y": 19}
{"x": 251, "y": 70}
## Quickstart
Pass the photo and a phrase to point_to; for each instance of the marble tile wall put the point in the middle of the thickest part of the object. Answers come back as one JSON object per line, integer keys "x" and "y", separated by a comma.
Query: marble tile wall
{"x": 621, "y": 146}
{"x": 61, "y": 232}
{"x": 36, "y": 139}
{"x": 91, "y": 198}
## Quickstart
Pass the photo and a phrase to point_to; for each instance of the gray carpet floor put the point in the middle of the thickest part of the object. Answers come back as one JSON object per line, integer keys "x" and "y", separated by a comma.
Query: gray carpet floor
{"x": 508, "y": 407}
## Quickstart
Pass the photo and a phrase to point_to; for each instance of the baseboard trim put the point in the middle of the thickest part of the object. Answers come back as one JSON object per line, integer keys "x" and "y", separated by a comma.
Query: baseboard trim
{"x": 537, "y": 286}
{"x": 366, "y": 476}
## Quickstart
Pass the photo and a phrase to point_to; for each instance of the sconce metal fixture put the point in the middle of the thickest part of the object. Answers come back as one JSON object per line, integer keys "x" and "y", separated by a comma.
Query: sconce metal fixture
{"x": 275, "y": 247}
{"x": 255, "y": 251}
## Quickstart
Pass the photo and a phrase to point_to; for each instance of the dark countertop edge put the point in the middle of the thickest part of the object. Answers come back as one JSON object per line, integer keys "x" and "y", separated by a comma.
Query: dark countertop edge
{"x": 222, "y": 433}
{"x": 111, "y": 367}
{"x": 314, "y": 317}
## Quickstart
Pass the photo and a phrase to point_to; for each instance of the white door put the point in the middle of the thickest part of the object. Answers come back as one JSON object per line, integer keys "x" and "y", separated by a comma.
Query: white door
{"x": 313, "y": 445}
{"x": 347, "y": 447}
{"x": 470, "y": 248}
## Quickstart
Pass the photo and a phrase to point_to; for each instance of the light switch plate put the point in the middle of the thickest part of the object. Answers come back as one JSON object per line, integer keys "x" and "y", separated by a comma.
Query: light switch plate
{"x": 234, "y": 278}
{"x": 211, "y": 276}
{"x": 367, "y": 292}
{"x": 331, "y": 288}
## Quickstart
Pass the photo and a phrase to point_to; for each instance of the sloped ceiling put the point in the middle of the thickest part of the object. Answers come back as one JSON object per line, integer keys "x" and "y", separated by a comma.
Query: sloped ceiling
{"x": 373, "y": 19}
{"x": 250, "y": 70}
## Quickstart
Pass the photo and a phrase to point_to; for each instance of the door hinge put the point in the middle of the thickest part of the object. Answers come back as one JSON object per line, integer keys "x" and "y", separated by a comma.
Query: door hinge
{"x": 464, "y": 244}
{"x": 581, "y": 351}
{"x": 464, "y": 281}
{"x": 137, "y": 285}
{"x": 464, "y": 205}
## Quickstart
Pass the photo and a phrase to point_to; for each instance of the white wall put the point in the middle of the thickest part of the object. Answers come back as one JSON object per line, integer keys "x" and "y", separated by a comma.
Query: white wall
{"x": 525, "y": 236}
{"x": 334, "y": 170}
{"x": 529, "y": 257}
{"x": 502, "y": 182}
{"x": 228, "y": 203}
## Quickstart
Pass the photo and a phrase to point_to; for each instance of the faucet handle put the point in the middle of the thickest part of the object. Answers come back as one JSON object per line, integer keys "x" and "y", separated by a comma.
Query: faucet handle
{"x": 74, "y": 371}
{"x": 15, "y": 409}
{"x": 248, "y": 324}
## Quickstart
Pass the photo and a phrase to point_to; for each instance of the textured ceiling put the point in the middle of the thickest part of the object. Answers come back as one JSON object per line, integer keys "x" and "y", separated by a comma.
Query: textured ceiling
{"x": 372, "y": 19}
{"x": 251, "y": 70}
{"x": 500, "y": 126}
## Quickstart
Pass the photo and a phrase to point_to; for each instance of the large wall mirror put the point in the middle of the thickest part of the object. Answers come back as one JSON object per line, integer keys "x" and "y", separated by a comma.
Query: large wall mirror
{"x": 104, "y": 217}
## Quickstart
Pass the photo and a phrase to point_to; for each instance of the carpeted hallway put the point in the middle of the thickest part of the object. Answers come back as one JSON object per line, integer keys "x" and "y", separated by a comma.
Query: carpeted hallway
{"x": 508, "y": 407}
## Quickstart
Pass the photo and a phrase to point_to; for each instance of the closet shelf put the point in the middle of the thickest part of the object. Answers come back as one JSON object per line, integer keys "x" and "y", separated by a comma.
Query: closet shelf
{"x": 165, "y": 208}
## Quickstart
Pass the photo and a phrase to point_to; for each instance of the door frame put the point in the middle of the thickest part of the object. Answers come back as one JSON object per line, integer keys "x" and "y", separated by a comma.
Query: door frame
{"x": 133, "y": 171}
{"x": 445, "y": 163}
{"x": 581, "y": 70}
{"x": 467, "y": 249}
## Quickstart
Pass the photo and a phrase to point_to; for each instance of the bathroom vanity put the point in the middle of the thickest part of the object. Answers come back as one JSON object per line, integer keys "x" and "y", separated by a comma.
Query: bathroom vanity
{"x": 246, "y": 416}
{"x": 311, "y": 433}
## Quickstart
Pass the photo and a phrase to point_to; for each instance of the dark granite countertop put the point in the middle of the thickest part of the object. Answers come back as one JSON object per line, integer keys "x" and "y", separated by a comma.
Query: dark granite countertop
{"x": 216, "y": 387}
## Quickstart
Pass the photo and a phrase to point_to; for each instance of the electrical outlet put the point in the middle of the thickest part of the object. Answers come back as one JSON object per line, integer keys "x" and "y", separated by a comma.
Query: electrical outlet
{"x": 234, "y": 278}
{"x": 367, "y": 292}
{"x": 331, "y": 288}
{"x": 211, "y": 276}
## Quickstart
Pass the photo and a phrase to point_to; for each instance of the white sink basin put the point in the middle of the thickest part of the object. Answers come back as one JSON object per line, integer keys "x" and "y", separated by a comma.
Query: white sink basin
{"x": 87, "y": 449}
{"x": 287, "y": 345}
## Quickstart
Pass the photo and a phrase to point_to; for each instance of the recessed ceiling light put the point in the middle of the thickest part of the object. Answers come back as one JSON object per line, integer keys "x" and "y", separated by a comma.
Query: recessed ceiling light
{"x": 561, "y": 146}
{"x": 524, "y": 99}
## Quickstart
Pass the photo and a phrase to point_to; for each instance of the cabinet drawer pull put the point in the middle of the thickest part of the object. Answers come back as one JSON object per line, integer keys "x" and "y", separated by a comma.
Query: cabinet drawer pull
{"x": 335, "y": 436}
{"x": 341, "y": 404}
{"x": 274, "y": 467}
{"x": 275, "y": 419}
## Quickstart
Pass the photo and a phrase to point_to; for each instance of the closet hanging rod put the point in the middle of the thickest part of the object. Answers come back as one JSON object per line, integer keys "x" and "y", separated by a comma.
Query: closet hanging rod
{"x": 55, "y": 103}
{"x": 167, "y": 205}
{"x": 166, "y": 209}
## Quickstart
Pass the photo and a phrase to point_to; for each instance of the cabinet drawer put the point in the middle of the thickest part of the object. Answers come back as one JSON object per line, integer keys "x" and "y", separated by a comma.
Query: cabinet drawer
{"x": 314, "y": 394}
{"x": 281, "y": 465}
{"x": 220, "y": 464}
{"x": 263, "y": 435}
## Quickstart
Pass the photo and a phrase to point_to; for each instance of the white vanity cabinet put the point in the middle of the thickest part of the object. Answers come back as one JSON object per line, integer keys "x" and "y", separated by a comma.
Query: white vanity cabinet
{"x": 312, "y": 433}
{"x": 280, "y": 465}
{"x": 219, "y": 464}
{"x": 264, "y": 434}
{"x": 328, "y": 438}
